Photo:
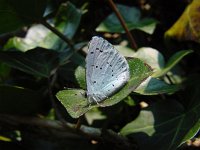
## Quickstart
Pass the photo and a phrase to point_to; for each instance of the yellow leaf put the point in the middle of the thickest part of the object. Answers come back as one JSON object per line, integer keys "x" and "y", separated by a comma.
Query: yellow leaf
{"x": 3, "y": 138}
{"x": 187, "y": 27}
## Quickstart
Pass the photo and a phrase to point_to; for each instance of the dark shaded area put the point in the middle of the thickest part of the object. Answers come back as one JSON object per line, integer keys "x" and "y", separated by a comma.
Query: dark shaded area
{"x": 45, "y": 74}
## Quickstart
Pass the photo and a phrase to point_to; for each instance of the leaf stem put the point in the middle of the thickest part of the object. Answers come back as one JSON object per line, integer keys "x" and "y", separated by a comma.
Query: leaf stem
{"x": 57, "y": 32}
{"x": 169, "y": 79}
{"x": 78, "y": 124}
{"x": 119, "y": 16}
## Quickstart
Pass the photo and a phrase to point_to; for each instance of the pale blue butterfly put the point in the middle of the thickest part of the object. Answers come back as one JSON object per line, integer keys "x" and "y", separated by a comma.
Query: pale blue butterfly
{"x": 106, "y": 70}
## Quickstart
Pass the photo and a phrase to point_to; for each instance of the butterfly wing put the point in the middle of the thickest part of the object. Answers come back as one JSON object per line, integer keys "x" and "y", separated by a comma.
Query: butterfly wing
{"x": 106, "y": 70}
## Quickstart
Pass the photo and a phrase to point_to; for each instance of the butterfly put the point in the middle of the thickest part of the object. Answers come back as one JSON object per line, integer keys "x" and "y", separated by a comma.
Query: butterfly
{"x": 106, "y": 70}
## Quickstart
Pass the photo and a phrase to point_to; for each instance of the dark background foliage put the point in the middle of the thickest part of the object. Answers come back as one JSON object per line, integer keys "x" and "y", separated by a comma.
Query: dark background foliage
{"x": 43, "y": 44}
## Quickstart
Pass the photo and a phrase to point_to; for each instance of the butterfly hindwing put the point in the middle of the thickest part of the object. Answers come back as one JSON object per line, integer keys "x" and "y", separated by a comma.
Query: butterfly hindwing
{"x": 106, "y": 70}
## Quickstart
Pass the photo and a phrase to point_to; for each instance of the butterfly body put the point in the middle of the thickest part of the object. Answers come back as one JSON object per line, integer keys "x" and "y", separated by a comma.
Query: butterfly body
{"x": 106, "y": 70}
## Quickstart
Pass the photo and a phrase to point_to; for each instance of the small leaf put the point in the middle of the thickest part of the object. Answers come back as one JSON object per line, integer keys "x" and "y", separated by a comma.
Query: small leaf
{"x": 40, "y": 62}
{"x": 152, "y": 57}
{"x": 132, "y": 17}
{"x": 76, "y": 104}
{"x": 19, "y": 101}
{"x": 94, "y": 114}
{"x": 80, "y": 76}
{"x": 172, "y": 62}
{"x": 152, "y": 86}
{"x": 128, "y": 100}
{"x": 187, "y": 27}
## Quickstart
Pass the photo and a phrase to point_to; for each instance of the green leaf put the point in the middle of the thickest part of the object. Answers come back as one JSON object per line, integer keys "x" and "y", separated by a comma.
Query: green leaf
{"x": 132, "y": 17}
{"x": 172, "y": 62}
{"x": 72, "y": 54}
{"x": 39, "y": 61}
{"x": 76, "y": 104}
{"x": 129, "y": 101}
{"x": 80, "y": 76}
{"x": 35, "y": 37}
{"x": 15, "y": 14}
{"x": 165, "y": 125}
{"x": 19, "y": 101}
{"x": 152, "y": 86}
{"x": 94, "y": 114}
{"x": 66, "y": 21}
{"x": 151, "y": 56}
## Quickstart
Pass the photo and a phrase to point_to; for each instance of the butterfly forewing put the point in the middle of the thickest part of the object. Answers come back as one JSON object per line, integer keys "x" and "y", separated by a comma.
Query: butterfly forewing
{"x": 106, "y": 70}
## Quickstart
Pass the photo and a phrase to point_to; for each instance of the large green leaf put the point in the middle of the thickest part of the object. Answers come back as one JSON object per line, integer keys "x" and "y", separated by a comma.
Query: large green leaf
{"x": 39, "y": 61}
{"x": 153, "y": 86}
{"x": 132, "y": 17}
{"x": 66, "y": 21}
{"x": 176, "y": 58}
{"x": 76, "y": 104}
{"x": 19, "y": 101}
{"x": 15, "y": 14}
{"x": 165, "y": 125}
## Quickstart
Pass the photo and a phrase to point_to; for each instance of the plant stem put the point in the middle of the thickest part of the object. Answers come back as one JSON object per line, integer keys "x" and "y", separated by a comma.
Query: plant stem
{"x": 64, "y": 129}
{"x": 119, "y": 16}
{"x": 58, "y": 33}
{"x": 78, "y": 124}
{"x": 51, "y": 82}
{"x": 169, "y": 79}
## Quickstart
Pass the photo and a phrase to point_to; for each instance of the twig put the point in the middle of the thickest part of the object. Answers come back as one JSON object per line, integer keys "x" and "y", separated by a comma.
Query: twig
{"x": 168, "y": 77}
{"x": 51, "y": 82}
{"x": 58, "y": 33}
{"x": 19, "y": 122}
{"x": 119, "y": 16}
{"x": 78, "y": 124}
